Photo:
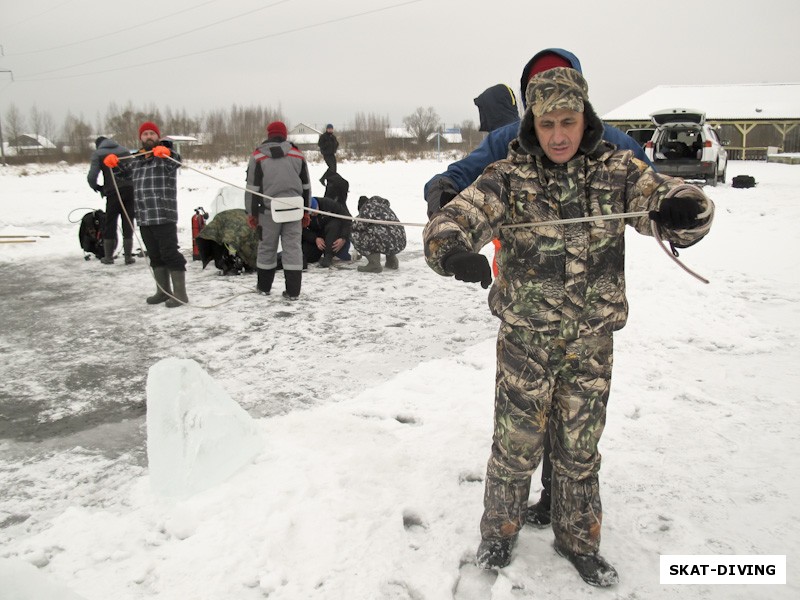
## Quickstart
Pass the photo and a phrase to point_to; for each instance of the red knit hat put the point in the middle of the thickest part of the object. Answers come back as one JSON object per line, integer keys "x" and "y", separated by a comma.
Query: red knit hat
{"x": 149, "y": 126}
{"x": 549, "y": 60}
{"x": 276, "y": 128}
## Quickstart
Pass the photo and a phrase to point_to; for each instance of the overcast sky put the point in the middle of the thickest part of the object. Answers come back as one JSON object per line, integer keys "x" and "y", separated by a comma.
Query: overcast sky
{"x": 324, "y": 61}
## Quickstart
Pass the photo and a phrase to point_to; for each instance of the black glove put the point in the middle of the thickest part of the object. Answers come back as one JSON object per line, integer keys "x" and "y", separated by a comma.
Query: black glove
{"x": 470, "y": 267}
{"x": 678, "y": 212}
{"x": 98, "y": 188}
{"x": 440, "y": 192}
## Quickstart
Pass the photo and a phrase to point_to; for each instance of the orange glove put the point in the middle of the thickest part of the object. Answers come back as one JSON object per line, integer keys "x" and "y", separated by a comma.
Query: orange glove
{"x": 111, "y": 161}
{"x": 306, "y": 219}
{"x": 252, "y": 221}
{"x": 161, "y": 152}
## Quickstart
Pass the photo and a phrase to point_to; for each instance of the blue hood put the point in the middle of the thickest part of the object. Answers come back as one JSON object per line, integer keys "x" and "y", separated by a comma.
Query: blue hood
{"x": 565, "y": 54}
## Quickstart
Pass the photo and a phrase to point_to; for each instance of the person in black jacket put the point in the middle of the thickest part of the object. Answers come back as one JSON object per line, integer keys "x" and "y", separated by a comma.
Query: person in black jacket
{"x": 325, "y": 237}
{"x": 105, "y": 146}
{"x": 328, "y": 144}
{"x": 497, "y": 106}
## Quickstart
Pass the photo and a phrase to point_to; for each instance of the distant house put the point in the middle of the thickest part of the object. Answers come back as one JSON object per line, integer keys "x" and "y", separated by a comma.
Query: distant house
{"x": 750, "y": 117}
{"x": 30, "y": 144}
{"x": 449, "y": 136}
{"x": 304, "y": 136}
{"x": 180, "y": 140}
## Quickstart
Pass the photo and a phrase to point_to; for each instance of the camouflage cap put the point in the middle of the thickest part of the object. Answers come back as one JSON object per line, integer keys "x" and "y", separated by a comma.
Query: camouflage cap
{"x": 555, "y": 89}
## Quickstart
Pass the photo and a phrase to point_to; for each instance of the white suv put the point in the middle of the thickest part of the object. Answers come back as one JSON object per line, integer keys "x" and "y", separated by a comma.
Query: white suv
{"x": 684, "y": 145}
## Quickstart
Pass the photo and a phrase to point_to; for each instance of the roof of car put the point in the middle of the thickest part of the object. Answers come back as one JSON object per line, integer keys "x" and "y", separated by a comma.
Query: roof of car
{"x": 735, "y": 101}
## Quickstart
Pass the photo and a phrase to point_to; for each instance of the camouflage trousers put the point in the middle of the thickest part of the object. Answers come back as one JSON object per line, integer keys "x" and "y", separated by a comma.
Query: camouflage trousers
{"x": 548, "y": 386}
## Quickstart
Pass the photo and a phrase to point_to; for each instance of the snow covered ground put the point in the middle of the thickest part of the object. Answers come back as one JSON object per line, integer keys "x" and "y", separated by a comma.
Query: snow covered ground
{"x": 373, "y": 395}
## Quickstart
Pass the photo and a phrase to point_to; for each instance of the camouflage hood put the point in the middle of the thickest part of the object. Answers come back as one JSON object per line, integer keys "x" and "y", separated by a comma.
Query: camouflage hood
{"x": 556, "y": 89}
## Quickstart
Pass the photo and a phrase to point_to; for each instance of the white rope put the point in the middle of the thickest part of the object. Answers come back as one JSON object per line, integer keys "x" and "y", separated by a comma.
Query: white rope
{"x": 306, "y": 208}
{"x": 692, "y": 190}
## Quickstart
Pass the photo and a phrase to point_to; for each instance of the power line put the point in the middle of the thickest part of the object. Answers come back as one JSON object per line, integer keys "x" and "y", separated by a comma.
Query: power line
{"x": 234, "y": 44}
{"x": 113, "y": 33}
{"x": 44, "y": 12}
{"x": 166, "y": 39}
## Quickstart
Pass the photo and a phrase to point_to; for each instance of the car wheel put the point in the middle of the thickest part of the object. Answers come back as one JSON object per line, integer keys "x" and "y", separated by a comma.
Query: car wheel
{"x": 722, "y": 178}
{"x": 712, "y": 180}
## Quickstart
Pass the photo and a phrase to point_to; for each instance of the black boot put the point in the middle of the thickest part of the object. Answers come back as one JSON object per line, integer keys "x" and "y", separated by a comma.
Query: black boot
{"x": 327, "y": 260}
{"x": 108, "y": 252}
{"x": 127, "y": 251}
{"x": 178, "y": 290}
{"x": 293, "y": 281}
{"x": 161, "y": 275}
{"x": 495, "y": 554}
{"x": 538, "y": 514}
{"x": 592, "y": 568}
{"x": 265, "y": 279}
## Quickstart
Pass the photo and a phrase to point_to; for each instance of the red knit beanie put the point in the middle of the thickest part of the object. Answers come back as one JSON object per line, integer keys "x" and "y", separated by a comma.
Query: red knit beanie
{"x": 547, "y": 61}
{"x": 276, "y": 128}
{"x": 149, "y": 126}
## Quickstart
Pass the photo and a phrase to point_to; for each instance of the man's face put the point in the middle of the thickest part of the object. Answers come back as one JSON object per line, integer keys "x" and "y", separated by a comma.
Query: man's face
{"x": 149, "y": 139}
{"x": 560, "y": 133}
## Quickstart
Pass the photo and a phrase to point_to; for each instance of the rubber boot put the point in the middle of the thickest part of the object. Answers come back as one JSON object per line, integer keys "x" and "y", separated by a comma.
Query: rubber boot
{"x": 293, "y": 280}
{"x": 265, "y": 279}
{"x": 327, "y": 259}
{"x": 593, "y": 568}
{"x": 127, "y": 250}
{"x": 373, "y": 264}
{"x": 178, "y": 290}
{"x": 108, "y": 252}
{"x": 392, "y": 262}
{"x": 161, "y": 275}
{"x": 495, "y": 554}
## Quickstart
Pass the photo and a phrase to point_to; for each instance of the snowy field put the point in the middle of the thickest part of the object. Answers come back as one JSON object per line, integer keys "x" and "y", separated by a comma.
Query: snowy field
{"x": 372, "y": 396}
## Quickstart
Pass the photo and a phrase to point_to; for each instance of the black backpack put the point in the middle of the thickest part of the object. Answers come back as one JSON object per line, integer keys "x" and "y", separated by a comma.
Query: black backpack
{"x": 90, "y": 233}
{"x": 743, "y": 181}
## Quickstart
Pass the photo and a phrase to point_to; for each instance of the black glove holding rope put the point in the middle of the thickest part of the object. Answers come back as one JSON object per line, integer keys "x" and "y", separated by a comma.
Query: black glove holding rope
{"x": 469, "y": 266}
{"x": 440, "y": 192}
{"x": 677, "y": 212}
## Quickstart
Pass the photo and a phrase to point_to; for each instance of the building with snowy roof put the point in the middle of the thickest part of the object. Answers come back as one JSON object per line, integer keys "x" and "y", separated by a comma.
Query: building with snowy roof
{"x": 29, "y": 144}
{"x": 750, "y": 117}
{"x": 304, "y": 136}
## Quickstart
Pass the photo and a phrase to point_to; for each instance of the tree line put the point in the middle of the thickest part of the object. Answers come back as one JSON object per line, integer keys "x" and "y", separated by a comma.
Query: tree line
{"x": 222, "y": 133}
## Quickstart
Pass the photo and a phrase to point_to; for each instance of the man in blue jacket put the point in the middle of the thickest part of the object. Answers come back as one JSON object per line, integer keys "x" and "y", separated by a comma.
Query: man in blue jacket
{"x": 444, "y": 187}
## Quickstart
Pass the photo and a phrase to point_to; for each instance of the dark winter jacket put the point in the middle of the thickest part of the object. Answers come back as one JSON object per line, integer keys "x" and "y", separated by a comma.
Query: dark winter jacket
{"x": 371, "y": 238}
{"x": 328, "y": 144}
{"x": 155, "y": 187}
{"x": 337, "y": 187}
{"x": 96, "y": 166}
{"x": 319, "y": 223}
{"x": 497, "y": 106}
{"x": 495, "y": 146}
{"x": 277, "y": 168}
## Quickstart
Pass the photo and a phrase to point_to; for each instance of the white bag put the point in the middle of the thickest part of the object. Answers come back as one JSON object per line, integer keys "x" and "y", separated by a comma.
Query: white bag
{"x": 286, "y": 210}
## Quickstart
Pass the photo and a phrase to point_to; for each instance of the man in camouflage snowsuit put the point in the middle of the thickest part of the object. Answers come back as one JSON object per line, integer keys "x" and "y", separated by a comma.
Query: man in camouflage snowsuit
{"x": 560, "y": 295}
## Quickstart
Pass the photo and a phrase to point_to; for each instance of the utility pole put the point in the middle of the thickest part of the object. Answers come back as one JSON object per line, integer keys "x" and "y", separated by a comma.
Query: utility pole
{"x": 2, "y": 144}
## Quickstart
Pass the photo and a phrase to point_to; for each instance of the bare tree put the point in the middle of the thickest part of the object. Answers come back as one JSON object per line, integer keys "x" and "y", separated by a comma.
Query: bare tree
{"x": 421, "y": 123}
{"x": 470, "y": 134}
{"x": 15, "y": 124}
{"x": 368, "y": 134}
{"x": 77, "y": 134}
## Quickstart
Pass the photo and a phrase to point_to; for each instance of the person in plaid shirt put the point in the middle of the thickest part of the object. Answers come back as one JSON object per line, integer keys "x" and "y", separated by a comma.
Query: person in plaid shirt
{"x": 155, "y": 189}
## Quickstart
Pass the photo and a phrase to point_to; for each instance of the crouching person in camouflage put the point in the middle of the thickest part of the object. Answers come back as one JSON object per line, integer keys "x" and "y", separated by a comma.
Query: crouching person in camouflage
{"x": 560, "y": 295}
